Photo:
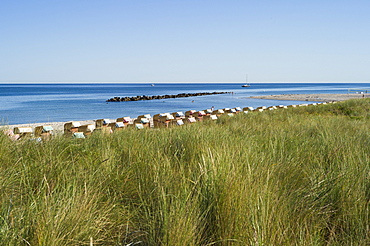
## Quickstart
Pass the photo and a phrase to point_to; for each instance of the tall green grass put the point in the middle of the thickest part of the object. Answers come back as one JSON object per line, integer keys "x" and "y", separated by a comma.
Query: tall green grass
{"x": 297, "y": 176}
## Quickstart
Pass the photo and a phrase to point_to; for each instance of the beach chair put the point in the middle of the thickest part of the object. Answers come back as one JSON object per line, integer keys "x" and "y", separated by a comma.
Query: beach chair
{"x": 71, "y": 127}
{"x": 102, "y": 123}
{"x": 88, "y": 129}
{"x": 261, "y": 109}
{"x": 118, "y": 126}
{"x": 210, "y": 117}
{"x": 145, "y": 122}
{"x": 230, "y": 110}
{"x": 159, "y": 118}
{"x": 190, "y": 120}
{"x": 23, "y": 132}
{"x": 125, "y": 120}
{"x": 179, "y": 122}
{"x": 44, "y": 132}
{"x": 146, "y": 116}
{"x": 189, "y": 113}
{"x": 218, "y": 112}
{"x": 238, "y": 110}
{"x": 199, "y": 115}
{"x": 11, "y": 135}
{"x": 165, "y": 120}
{"x": 208, "y": 111}
{"x": 78, "y": 135}
{"x": 139, "y": 126}
{"x": 248, "y": 109}
{"x": 178, "y": 115}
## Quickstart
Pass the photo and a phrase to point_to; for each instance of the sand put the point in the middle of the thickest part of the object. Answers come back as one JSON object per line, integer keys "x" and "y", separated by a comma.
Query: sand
{"x": 58, "y": 126}
{"x": 313, "y": 97}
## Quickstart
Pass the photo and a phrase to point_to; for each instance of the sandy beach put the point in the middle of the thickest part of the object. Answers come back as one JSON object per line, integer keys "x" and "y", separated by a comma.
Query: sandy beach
{"x": 313, "y": 97}
{"x": 58, "y": 126}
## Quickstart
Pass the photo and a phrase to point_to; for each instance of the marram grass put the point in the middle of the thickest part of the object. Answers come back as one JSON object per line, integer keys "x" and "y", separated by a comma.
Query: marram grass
{"x": 297, "y": 176}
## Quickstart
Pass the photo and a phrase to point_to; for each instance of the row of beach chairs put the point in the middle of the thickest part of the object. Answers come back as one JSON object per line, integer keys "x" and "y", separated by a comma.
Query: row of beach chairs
{"x": 164, "y": 120}
{"x": 41, "y": 133}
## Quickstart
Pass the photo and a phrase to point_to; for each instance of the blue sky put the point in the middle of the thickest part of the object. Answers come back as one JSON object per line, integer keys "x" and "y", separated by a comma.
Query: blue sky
{"x": 184, "y": 41}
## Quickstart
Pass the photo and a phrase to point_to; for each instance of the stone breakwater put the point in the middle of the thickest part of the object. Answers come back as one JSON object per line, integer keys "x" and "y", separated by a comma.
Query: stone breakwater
{"x": 144, "y": 97}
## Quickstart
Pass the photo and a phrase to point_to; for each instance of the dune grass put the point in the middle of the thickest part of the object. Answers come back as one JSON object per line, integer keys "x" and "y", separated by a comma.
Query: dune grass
{"x": 297, "y": 176}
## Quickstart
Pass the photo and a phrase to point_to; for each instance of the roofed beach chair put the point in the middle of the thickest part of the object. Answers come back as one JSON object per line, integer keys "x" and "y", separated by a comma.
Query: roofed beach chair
{"x": 238, "y": 109}
{"x": 210, "y": 117}
{"x": 88, "y": 129}
{"x": 23, "y": 132}
{"x": 71, "y": 127}
{"x": 118, "y": 126}
{"x": 218, "y": 112}
{"x": 78, "y": 135}
{"x": 199, "y": 115}
{"x": 145, "y": 122}
{"x": 178, "y": 115}
{"x": 189, "y": 113}
{"x": 125, "y": 120}
{"x": 11, "y": 135}
{"x": 139, "y": 126}
{"x": 190, "y": 120}
{"x": 102, "y": 123}
{"x": 208, "y": 111}
{"x": 44, "y": 132}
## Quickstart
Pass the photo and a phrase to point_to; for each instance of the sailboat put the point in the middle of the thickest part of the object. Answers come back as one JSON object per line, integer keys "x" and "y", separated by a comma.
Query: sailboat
{"x": 246, "y": 80}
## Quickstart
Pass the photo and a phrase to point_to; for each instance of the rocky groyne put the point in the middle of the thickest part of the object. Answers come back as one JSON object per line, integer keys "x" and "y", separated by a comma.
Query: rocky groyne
{"x": 144, "y": 97}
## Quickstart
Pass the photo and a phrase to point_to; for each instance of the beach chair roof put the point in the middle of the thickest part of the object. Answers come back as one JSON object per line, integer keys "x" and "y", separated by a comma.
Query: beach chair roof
{"x": 179, "y": 114}
{"x": 90, "y": 127}
{"x": 78, "y": 135}
{"x": 120, "y": 124}
{"x": 144, "y": 120}
{"x": 73, "y": 124}
{"x": 147, "y": 116}
{"x": 18, "y": 130}
{"x": 106, "y": 121}
{"x": 126, "y": 119}
{"x": 139, "y": 126}
{"x": 192, "y": 119}
{"x": 47, "y": 128}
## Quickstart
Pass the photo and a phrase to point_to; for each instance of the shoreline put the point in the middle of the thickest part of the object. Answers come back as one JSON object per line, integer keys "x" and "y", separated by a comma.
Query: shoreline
{"x": 59, "y": 126}
{"x": 313, "y": 97}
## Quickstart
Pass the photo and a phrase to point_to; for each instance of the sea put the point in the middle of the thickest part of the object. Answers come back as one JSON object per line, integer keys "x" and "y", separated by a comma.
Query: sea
{"x": 41, "y": 103}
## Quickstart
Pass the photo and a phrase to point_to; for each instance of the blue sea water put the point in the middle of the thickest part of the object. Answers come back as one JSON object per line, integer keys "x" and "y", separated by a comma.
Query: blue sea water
{"x": 38, "y": 103}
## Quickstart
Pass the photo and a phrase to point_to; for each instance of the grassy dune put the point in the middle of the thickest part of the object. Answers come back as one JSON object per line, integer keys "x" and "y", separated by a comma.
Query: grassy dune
{"x": 297, "y": 176}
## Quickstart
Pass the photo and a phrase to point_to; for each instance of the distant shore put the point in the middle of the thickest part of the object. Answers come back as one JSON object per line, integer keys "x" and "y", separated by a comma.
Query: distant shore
{"x": 58, "y": 126}
{"x": 313, "y": 97}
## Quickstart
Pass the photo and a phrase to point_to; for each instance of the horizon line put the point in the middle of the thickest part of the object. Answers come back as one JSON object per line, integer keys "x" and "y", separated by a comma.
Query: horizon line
{"x": 109, "y": 82}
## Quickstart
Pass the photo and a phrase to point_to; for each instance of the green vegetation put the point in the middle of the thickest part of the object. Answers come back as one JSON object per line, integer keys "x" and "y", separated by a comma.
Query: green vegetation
{"x": 297, "y": 176}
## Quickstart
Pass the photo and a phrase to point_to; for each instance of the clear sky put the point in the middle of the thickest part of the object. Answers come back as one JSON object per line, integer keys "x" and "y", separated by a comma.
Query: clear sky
{"x": 184, "y": 41}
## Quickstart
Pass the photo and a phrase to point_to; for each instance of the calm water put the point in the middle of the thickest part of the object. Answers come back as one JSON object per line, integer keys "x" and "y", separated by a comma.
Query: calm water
{"x": 36, "y": 103}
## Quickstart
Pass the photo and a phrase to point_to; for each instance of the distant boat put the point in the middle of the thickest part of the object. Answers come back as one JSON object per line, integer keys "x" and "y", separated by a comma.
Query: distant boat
{"x": 152, "y": 84}
{"x": 246, "y": 80}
